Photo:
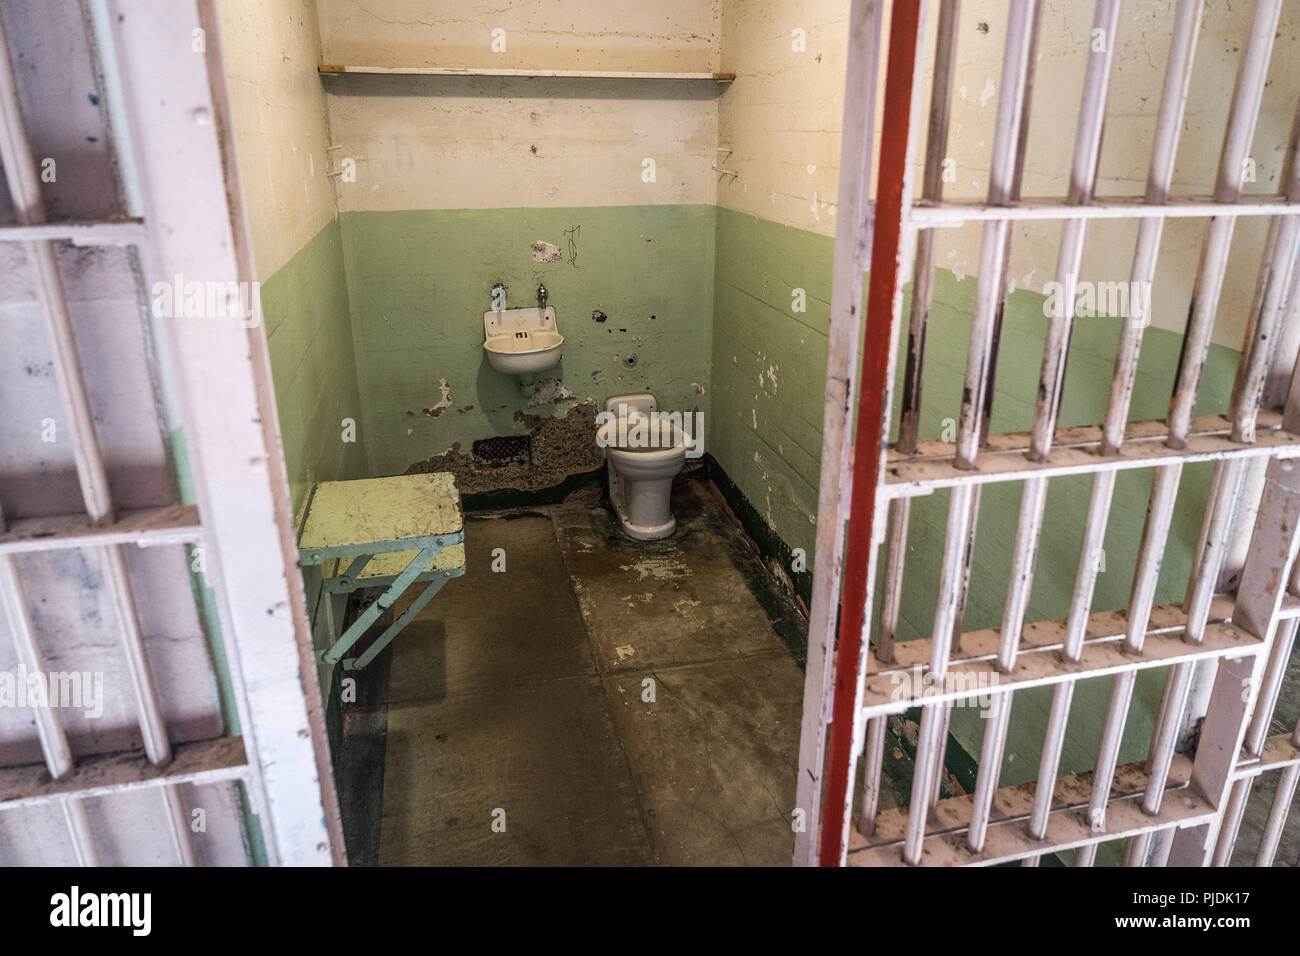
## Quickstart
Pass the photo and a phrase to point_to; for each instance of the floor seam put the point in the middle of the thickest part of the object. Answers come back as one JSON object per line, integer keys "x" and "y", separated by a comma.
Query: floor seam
{"x": 633, "y": 777}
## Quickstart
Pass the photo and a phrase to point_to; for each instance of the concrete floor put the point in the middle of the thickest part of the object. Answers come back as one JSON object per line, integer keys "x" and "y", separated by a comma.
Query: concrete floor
{"x": 611, "y": 702}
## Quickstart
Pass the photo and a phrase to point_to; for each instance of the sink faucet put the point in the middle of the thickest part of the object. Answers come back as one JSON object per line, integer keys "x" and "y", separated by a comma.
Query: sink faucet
{"x": 542, "y": 296}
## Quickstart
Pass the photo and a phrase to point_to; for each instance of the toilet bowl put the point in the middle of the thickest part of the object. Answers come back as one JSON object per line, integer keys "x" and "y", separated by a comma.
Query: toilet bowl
{"x": 642, "y": 454}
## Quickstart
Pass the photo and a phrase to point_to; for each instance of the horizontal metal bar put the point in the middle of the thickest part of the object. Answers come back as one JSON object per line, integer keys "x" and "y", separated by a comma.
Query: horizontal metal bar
{"x": 973, "y": 671}
{"x": 198, "y": 762}
{"x": 1008, "y": 836}
{"x": 119, "y": 232}
{"x": 1077, "y": 451}
{"x": 933, "y": 216}
{"x": 1278, "y": 753}
{"x": 148, "y": 527}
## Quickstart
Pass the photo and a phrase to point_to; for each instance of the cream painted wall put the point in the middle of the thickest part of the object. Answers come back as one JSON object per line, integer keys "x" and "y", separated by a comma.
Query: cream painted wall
{"x": 622, "y": 35}
{"x": 455, "y": 142}
{"x": 281, "y": 130}
{"x": 782, "y": 118}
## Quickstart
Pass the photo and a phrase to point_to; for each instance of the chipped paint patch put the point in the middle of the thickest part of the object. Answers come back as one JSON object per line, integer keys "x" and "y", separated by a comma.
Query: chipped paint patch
{"x": 546, "y": 252}
{"x": 549, "y": 391}
{"x": 433, "y": 411}
{"x": 624, "y": 651}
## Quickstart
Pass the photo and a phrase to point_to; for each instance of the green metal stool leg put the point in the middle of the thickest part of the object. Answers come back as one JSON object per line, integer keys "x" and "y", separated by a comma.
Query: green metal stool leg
{"x": 382, "y": 604}
{"x": 395, "y": 628}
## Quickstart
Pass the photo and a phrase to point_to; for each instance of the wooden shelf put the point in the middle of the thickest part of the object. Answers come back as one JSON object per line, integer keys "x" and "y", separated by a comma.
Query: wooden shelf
{"x": 333, "y": 70}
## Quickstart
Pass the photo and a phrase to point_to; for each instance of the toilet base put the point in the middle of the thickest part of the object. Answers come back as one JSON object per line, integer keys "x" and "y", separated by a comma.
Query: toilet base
{"x": 641, "y": 507}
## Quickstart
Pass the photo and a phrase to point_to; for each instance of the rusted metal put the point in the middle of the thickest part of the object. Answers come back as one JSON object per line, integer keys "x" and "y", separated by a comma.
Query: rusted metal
{"x": 884, "y": 296}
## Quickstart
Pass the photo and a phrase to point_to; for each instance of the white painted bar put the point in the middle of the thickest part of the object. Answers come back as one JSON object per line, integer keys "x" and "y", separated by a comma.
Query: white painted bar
{"x": 852, "y": 250}
{"x": 124, "y": 232}
{"x": 953, "y": 213}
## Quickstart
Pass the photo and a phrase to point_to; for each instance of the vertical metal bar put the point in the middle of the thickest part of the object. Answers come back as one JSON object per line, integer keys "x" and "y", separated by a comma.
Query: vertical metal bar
{"x": 936, "y": 149}
{"x": 1272, "y": 291}
{"x": 1083, "y": 177}
{"x": 49, "y": 730}
{"x": 963, "y": 500}
{"x": 1252, "y": 73}
{"x": 1279, "y": 657}
{"x": 890, "y": 254}
{"x": 1231, "y": 825}
{"x": 24, "y": 189}
{"x": 1277, "y": 814}
{"x": 1165, "y": 489}
{"x": 991, "y": 288}
{"x": 875, "y": 758}
{"x": 1238, "y": 680}
{"x": 852, "y": 247}
{"x": 1173, "y": 104}
{"x": 1138, "y": 849}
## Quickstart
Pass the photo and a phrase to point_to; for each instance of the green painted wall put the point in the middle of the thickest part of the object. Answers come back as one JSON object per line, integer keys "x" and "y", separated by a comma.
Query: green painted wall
{"x": 769, "y": 368}
{"x": 313, "y": 368}
{"x": 309, "y": 334}
{"x": 419, "y": 282}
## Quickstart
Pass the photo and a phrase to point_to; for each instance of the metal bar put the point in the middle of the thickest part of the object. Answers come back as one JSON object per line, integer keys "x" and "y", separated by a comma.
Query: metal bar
{"x": 343, "y": 644}
{"x": 963, "y": 505}
{"x": 1040, "y": 663}
{"x": 1006, "y": 461}
{"x": 874, "y": 757}
{"x": 122, "y": 232}
{"x": 936, "y": 150}
{"x": 1237, "y": 681}
{"x": 1230, "y": 823}
{"x": 884, "y": 300}
{"x": 1178, "y": 72}
{"x": 1007, "y": 836}
{"x": 1277, "y": 814}
{"x": 922, "y": 299}
{"x": 1083, "y": 178}
{"x": 1251, "y": 75}
{"x": 1279, "y": 658}
{"x": 150, "y": 527}
{"x": 852, "y": 248}
{"x": 53, "y": 738}
{"x": 1272, "y": 290}
{"x": 197, "y": 762}
{"x": 396, "y": 627}
{"x": 989, "y": 292}
{"x": 1164, "y": 150}
{"x": 1138, "y": 850}
{"x": 24, "y": 190}
{"x": 954, "y": 213}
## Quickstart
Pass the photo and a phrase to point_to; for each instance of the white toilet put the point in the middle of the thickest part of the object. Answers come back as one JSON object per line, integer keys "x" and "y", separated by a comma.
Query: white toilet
{"x": 642, "y": 454}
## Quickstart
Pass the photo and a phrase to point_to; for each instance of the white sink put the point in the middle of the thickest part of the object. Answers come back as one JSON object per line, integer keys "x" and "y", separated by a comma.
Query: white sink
{"x": 522, "y": 341}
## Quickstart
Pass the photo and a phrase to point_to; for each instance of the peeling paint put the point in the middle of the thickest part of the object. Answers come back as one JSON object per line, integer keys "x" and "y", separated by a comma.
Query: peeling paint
{"x": 444, "y": 403}
{"x": 546, "y": 252}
